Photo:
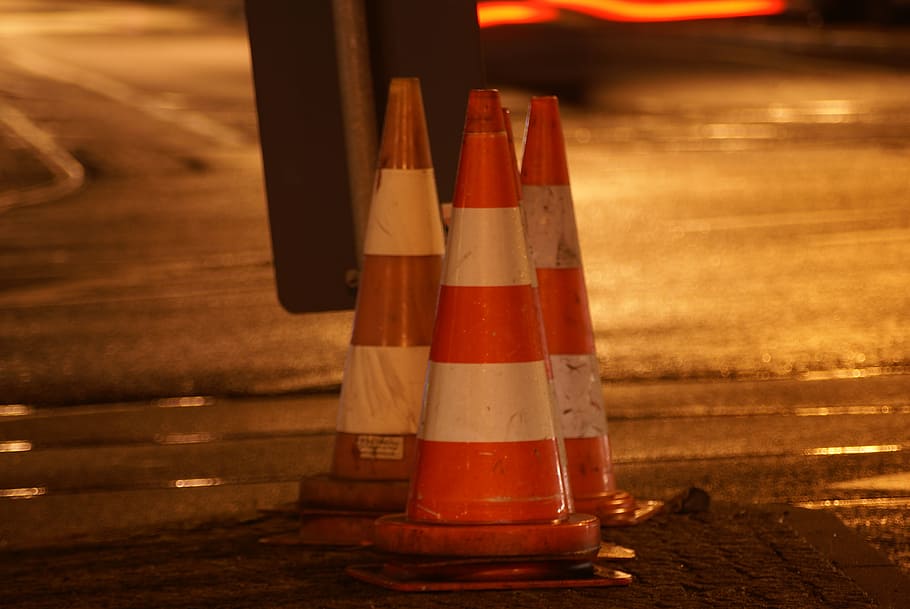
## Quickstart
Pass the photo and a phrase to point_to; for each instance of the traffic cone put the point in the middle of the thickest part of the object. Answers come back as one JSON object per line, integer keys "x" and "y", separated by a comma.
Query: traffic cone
{"x": 382, "y": 387}
{"x": 507, "y": 117}
{"x": 488, "y": 507}
{"x": 553, "y": 239}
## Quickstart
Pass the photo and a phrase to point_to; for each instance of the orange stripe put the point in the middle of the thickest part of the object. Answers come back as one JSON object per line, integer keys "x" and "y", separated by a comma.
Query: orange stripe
{"x": 566, "y": 317}
{"x": 485, "y": 172}
{"x": 349, "y": 462}
{"x": 465, "y": 482}
{"x": 544, "y": 162}
{"x": 590, "y": 466}
{"x": 396, "y": 300}
{"x": 486, "y": 324}
{"x": 484, "y": 112}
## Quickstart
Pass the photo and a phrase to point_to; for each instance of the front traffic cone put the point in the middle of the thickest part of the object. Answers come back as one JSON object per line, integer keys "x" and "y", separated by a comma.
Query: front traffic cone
{"x": 488, "y": 493}
{"x": 382, "y": 387}
{"x": 553, "y": 239}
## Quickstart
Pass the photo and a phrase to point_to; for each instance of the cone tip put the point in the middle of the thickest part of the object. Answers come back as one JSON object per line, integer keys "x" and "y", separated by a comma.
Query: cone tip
{"x": 484, "y": 113}
{"x": 544, "y": 161}
{"x": 545, "y": 107}
{"x": 405, "y": 140}
{"x": 507, "y": 125}
{"x": 409, "y": 86}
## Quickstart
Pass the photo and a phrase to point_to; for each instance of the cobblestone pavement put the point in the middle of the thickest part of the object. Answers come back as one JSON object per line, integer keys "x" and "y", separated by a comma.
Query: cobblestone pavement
{"x": 728, "y": 556}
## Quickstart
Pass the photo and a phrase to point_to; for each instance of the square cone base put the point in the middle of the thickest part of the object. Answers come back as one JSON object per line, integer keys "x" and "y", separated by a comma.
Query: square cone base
{"x": 644, "y": 510}
{"x": 338, "y": 511}
{"x": 330, "y": 528}
{"x": 337, "y": 528}
{"x": 511, "y": 573}
{"x": 618, "y": 509}
{"x": 577, "y": 536}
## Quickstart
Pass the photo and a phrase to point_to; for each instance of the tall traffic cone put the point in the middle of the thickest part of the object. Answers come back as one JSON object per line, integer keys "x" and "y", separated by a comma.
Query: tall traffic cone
{"x": 553, "y": 239}
{"x": 382, "y": 387}
{"x": 488, "y": 492}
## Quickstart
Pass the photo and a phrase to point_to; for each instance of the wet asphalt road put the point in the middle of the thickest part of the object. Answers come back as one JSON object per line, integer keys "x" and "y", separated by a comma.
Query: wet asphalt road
{"x": 742, "y": 210}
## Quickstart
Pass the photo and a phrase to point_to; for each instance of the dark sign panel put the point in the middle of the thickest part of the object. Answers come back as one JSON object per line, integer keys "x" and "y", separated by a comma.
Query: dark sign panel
{"x": 299, "y": 99}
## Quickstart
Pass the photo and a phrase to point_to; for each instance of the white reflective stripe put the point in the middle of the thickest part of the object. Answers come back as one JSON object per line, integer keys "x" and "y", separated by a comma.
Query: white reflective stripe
{"x": 382, "y": 390}
{"x": 524, "y": 227}
{"x": 487, "y": 403}
{"x": 579, "y": 395}
{"x": 486, "y": 247}
{"x": 552, "y": 232}
{"x": 404, "y": 215}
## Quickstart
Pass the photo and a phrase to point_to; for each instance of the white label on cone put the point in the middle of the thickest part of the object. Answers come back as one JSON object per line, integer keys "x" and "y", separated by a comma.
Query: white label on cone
{"x": 486, "y": 248}
{"x": 381, "y": 448}
{"x": 487, "y": 403}
{"x": 382, "y": 390}
{"x": 404, "y": 215}
{"x": 579, "y": 396}
{"x": 552, "y": 233}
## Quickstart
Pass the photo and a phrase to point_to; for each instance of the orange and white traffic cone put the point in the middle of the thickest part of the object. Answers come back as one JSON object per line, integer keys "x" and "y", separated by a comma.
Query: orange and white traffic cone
{"x": 553, "y": 239}
{"x": 488, "y": 492}
{"x": 536, "y": 288}
{"x": 382, "y": 387}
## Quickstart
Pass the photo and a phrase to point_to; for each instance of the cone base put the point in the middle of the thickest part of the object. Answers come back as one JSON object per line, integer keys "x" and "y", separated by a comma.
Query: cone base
{"x": 510, "y": 574}
{"x": 326, "y": 528}
{"x": 334, "y": 493}
{"x": 617, "y": 508}
{"x": 579, "y": 535}
{"x": 329, "y": 528}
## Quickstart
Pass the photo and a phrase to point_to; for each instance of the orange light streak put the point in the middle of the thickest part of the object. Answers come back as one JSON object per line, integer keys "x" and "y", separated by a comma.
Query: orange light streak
{"x": 670, "y": 10}
{"x": 508, "y": 13}
{"x": 505, "y": 12}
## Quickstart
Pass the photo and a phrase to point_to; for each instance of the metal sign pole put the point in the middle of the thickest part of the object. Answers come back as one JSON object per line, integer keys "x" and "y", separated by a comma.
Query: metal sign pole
{"x": 358, "y": 109}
